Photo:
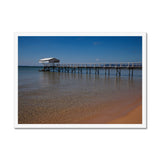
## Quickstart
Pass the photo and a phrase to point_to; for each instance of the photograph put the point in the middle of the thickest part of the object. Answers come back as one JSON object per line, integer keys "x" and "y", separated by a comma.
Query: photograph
{"x": 80, "y": 80}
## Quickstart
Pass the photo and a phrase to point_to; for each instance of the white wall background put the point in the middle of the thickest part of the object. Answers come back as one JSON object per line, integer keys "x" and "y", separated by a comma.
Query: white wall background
{"x": 78, "y": 16}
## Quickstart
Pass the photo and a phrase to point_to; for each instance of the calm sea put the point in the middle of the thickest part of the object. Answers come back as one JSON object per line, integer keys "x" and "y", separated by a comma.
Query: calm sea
{"x": 71, "y": 90}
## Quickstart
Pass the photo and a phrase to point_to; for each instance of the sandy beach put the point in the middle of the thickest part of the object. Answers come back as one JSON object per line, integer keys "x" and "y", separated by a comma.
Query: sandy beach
{"x": 124, "y": 116}
{"x": 133, "y": 117}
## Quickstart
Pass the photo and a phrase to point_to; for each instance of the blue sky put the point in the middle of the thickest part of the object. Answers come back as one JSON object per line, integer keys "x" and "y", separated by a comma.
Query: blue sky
{"x": 71, "y": 49}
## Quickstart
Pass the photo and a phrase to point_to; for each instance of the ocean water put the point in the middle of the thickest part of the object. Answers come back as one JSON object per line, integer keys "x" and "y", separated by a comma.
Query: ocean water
{"x": 53, "y": 97}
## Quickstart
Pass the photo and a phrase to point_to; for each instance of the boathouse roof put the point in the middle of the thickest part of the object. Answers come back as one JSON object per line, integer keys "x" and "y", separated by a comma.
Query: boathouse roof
{"x": 49, "y": 60}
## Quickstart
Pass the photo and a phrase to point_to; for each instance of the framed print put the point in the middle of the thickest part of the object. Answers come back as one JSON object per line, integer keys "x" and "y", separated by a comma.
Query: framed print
{"x": 80, "y": 80}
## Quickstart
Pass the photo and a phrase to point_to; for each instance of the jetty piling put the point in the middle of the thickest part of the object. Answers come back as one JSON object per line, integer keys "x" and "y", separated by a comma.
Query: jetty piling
{"x": 78, "y": 68}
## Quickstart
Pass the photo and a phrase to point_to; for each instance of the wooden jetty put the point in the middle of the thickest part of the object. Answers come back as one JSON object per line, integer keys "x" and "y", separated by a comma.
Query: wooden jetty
{"x": 89, "y": 68}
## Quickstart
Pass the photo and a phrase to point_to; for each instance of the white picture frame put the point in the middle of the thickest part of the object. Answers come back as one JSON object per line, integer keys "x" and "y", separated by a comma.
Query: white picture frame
{"x": 144, "y": 83}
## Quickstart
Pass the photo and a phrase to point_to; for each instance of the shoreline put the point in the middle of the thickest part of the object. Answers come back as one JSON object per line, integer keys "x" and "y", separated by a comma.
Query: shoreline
{"x": 130, "y": 114}
{"x": 133, "y": 117}
{"x": 101, "y": 113}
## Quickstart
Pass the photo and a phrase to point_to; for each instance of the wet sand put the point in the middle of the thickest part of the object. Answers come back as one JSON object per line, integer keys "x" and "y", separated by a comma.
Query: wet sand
{"x": 133, "y": 117}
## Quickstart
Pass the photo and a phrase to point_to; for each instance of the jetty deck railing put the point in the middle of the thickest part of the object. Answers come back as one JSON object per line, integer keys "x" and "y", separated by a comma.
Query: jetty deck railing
{"x": 75, "y": 67}
{"x": 102, "y": 65}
